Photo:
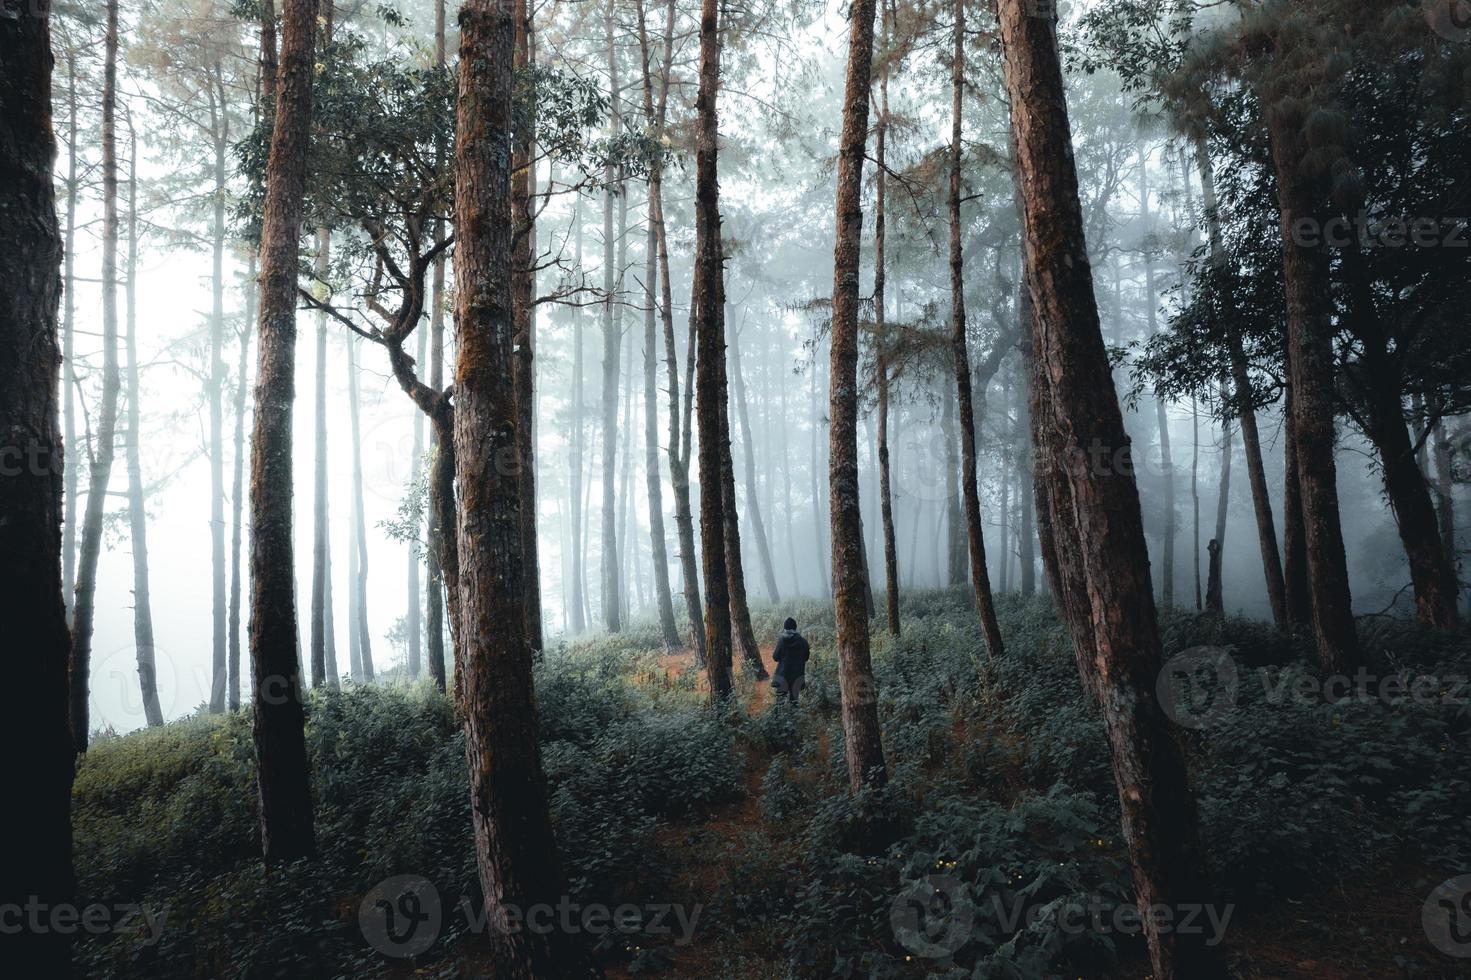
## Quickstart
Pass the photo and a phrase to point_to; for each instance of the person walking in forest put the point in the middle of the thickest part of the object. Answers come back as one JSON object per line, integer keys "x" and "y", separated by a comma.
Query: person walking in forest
{"x": 791, "y": 655}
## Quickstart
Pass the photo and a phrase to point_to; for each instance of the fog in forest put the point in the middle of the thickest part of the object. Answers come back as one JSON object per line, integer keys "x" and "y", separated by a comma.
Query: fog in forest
{"x": 511, "y": 367}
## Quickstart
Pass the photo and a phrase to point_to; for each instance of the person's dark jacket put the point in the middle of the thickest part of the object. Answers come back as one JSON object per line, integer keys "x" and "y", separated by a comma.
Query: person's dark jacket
{"x": 791, "y": 655}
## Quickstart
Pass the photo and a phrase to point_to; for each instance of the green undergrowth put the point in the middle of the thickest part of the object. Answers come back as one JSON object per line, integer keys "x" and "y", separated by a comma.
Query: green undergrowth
{"x": 1000, "y": 799}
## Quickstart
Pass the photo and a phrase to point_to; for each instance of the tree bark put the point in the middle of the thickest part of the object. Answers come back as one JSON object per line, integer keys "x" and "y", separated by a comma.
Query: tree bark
{"x": 137, "y": 514}
{"x": 37, "y": 865}
{"x": 85, "y": 607}
{"x": 514, "y": 846}
{"x": 708, "y": 309}
{"x": 954, "y": 518}
{"x": 979, "y": 575}
{"x": 1294, "y": 537}
{"x": 1310, "y": 361}
{"x": 864, "y": 746}
{"x": 282, "y": 767}
{"x": 1097, "y": 538}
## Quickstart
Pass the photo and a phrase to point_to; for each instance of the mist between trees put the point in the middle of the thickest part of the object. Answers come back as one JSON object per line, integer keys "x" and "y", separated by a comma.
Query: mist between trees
{"x": 370, "y": 361}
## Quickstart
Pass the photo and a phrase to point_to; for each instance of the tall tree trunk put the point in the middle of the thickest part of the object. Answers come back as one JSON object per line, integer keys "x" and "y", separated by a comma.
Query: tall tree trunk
{"x": 955, "y": 553}
{"x": 824, "y": 580}
{"x": 753, "y": 501}
{"x": 438, "y": 533}
{"x": 1294, "y": 536}
{"x": 1195, "y": 497}
{"x": 864, "y": 747}
{"x": 1161, "y": 409}
{"x": 237, "y": 495}
{"x": 1256, "y": 471}
{"x": 1310, "y": 359}
{"x": 663, "y": 598}
{"x": 576, "y": 454}
{"x": 1433, "y": 577}
{"x": 280, "y": 745}
{"x": 523, "y": 304}
{"x": 654, "y": 277}
{"x": 137, "y": 515}
{"x": 612, "y": 345}
{"x": 1215, "y": 601}
{"x": 220, "y": 130}
{"x": 979, "y": 575}
{"x": 36, "y": 867}
{"x": 73, "y": 456}
{"x": 708, "y": 310}
{"x": 881, "y": 343}
{"x": 514, "y": 846}
{"x": 414, "y": 608}
{"x": 321, "y": 626}
{"x": 1097, "y": 538}
{"x": 358, "y": 603}
{"x": 84, "y": 610}
{"x": 677, "y": 452}
{"x": 740, "y": 611}
{"x": 786, "y": 476}
{"x": 625, "y": 465}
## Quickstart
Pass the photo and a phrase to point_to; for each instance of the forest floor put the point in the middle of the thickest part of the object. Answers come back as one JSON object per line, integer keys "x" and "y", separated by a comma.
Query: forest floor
{"x": 1326, "y": 825}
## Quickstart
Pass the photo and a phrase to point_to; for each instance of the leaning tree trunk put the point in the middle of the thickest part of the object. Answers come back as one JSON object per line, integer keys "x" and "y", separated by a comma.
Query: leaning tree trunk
{"x": 708, "y": 309}
{"x": 280, "y": 745}
{"x": 414, "y": 608}
{"x": 954, "y": 518}
{"x": 1251, "y": 442}
{"x": 85, "y": 607}
{"x": 1445, "y": 504}
{"x": 514, "y": 846}
{"x": 523, "y": 300}
{"x": 1310, "y": 361}
{"x": 753, "y": 504}
{"x": 979, "y": 575}
{"x": 1432, "y": 576}
{"x": 1097, "y": 534}
{"x": 863, "y": 745}
{"x": 37, "y": 865}
{"x": 137, "y": 515}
